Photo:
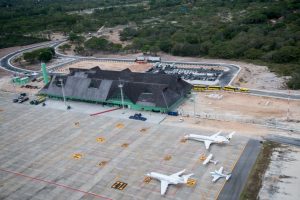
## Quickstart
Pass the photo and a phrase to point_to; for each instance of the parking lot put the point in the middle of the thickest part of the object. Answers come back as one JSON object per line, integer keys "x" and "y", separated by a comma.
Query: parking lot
{"x": 49, "y": 153}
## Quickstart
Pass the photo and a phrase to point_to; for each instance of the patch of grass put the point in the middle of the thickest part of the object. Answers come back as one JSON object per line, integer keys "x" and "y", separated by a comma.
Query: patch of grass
{"x": 254, "y": 181}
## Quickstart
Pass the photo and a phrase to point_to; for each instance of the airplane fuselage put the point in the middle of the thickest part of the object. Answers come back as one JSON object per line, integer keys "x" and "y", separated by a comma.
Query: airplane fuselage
{"x": 163, "y": 177}
{"x": 217, "y": 139}
{"x": 218, "y": 174}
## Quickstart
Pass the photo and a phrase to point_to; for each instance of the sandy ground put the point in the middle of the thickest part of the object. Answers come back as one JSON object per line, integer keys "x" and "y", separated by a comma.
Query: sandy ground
{"x": 282, "y": 179}
{"x": 249, "y": 130}
{"x": 7, "y": 86}
{"x": 247, "y": 114}
{"x": 4, "y": 73}
{"x": 242, "y": 105}
{"x": 135, "y": 67}
{"x": 113, "y": 35}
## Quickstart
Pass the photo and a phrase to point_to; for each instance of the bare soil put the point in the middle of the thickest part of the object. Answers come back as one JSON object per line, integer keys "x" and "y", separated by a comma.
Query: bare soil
{"x": 243, "y": 113}
{"x": 135, "y": 67}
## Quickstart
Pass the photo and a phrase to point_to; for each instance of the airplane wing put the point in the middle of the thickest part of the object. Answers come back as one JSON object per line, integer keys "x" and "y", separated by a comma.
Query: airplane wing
{"x": 207, "y": 143}
{"x": 216, "y": 134}
{"x": 163, "y": 187}
{"x": 216, "y": 177}
{"x": 209, "y": 157}
{"x": 178, "y": 173}
{"x": 220, "y": 170}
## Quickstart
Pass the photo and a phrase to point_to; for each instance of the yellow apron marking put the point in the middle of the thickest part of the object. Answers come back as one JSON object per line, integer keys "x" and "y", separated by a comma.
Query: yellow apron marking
{"x": 125, "y": 145}
{"x": 102, "y": 163}
{"x": 119, "y": 185}
{"x": 191, "y": 182}
{"x": 77, "y": 156}
{"x": 202, "y": 157}
{"x": 120, "y": 125}
{"x": 100, "y": 139}
{"x": 147, "y": 179}
{"x": 168, "y": 157}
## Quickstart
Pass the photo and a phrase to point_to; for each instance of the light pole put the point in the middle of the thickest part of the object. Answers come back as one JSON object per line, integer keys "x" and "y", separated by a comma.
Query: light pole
{"x": 122, "y": 97}
{"x": 63, "y": 91}
{"x": 194, "y": 105}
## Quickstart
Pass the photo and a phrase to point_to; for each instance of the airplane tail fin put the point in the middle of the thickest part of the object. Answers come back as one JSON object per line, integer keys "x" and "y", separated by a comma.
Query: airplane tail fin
{"x": 214, "y": 161}
{"x": 229, "y": 136}
{"x": 228, "y": 177}
{"x": 186, "y": 177}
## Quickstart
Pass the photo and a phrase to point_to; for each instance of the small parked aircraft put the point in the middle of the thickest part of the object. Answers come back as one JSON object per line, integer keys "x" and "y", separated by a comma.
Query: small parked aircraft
{"x": 219, "y": 174}
{"x": 209, "y": 159}
{"x": 215, "y": 138}
{"x": 166, "y": 180}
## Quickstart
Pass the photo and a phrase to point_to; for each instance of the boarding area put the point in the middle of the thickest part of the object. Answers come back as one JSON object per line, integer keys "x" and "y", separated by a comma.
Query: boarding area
{"x": 49, "y": 153}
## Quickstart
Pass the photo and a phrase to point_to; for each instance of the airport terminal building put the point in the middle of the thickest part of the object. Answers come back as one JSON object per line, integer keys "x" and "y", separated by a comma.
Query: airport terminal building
{"x": 139, "y": 91}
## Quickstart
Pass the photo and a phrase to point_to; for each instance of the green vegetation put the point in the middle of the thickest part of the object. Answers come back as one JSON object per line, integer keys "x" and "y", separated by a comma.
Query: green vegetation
{"x": 101, "y": 44}
{"x": 16, "y": 40}
{"x": 43, "y": 55}
{"x": 257, "y": 31}
{"x": 64, "y": 47}
{"x": 254, "y": 181}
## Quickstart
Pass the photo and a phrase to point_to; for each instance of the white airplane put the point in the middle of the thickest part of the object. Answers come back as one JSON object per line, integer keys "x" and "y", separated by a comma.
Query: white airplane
{"x": 166, "y": 180}
{"x": 219, "y": 174}
{"x": 209, "y": 159}
{"x": 215, "y": 138}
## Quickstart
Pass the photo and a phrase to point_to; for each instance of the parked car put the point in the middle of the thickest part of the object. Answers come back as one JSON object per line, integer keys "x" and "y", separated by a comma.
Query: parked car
{"x": 21, "y": 96}
{"x": 23, "y": 99}
{"x": 138, "y": 116}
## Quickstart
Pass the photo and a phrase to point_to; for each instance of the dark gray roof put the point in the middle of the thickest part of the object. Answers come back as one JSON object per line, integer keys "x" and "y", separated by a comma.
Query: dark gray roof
{"x": 96, "y": 84}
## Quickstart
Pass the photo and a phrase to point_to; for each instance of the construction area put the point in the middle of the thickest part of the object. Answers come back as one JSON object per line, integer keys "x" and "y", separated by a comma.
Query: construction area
{"x": 77, "y": 156}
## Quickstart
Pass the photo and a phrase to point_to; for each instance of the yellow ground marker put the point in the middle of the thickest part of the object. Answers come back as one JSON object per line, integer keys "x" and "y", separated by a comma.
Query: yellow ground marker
{"x": 125, "y": 145}
{"x": 183, "y": 140}
{"x": 120, "y": 125}
{"x": 77, "y": 124}
{"x": 147, "y": 179}
{"x": 119, "y": 185}
{"x": 77, "y": 156}
{"x": 168, "y": 157}
{"x": 202, "y": 157}
{"x": 100, "y": 139}
{"x": 191, "y": 182}
{"x": 143, "y": 130}
{"x": 102, "y": 163}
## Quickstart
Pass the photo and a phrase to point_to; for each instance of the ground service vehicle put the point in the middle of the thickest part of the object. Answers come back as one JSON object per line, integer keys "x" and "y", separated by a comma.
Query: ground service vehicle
{"x": 38, "y": 100}
{"x": 230, "y": 88}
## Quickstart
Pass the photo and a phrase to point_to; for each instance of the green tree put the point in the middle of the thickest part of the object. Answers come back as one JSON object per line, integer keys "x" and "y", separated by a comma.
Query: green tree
{"x": 286, "y": 54}
{"x": 45, "y": 56}
{"x": 65, "y": 47}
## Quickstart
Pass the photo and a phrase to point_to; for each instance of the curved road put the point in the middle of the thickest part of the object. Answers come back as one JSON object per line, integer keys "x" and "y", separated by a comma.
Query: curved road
{"x": 6, "y": 64}
{"x": 226, "y": 78}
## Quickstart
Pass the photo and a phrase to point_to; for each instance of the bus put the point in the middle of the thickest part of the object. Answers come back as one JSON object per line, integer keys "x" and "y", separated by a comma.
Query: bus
{"x": 230, "y": 88}
{"x": 214, "y": 87}
{"x": 199, "y": 88}
{"x": 244, "y": 90}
